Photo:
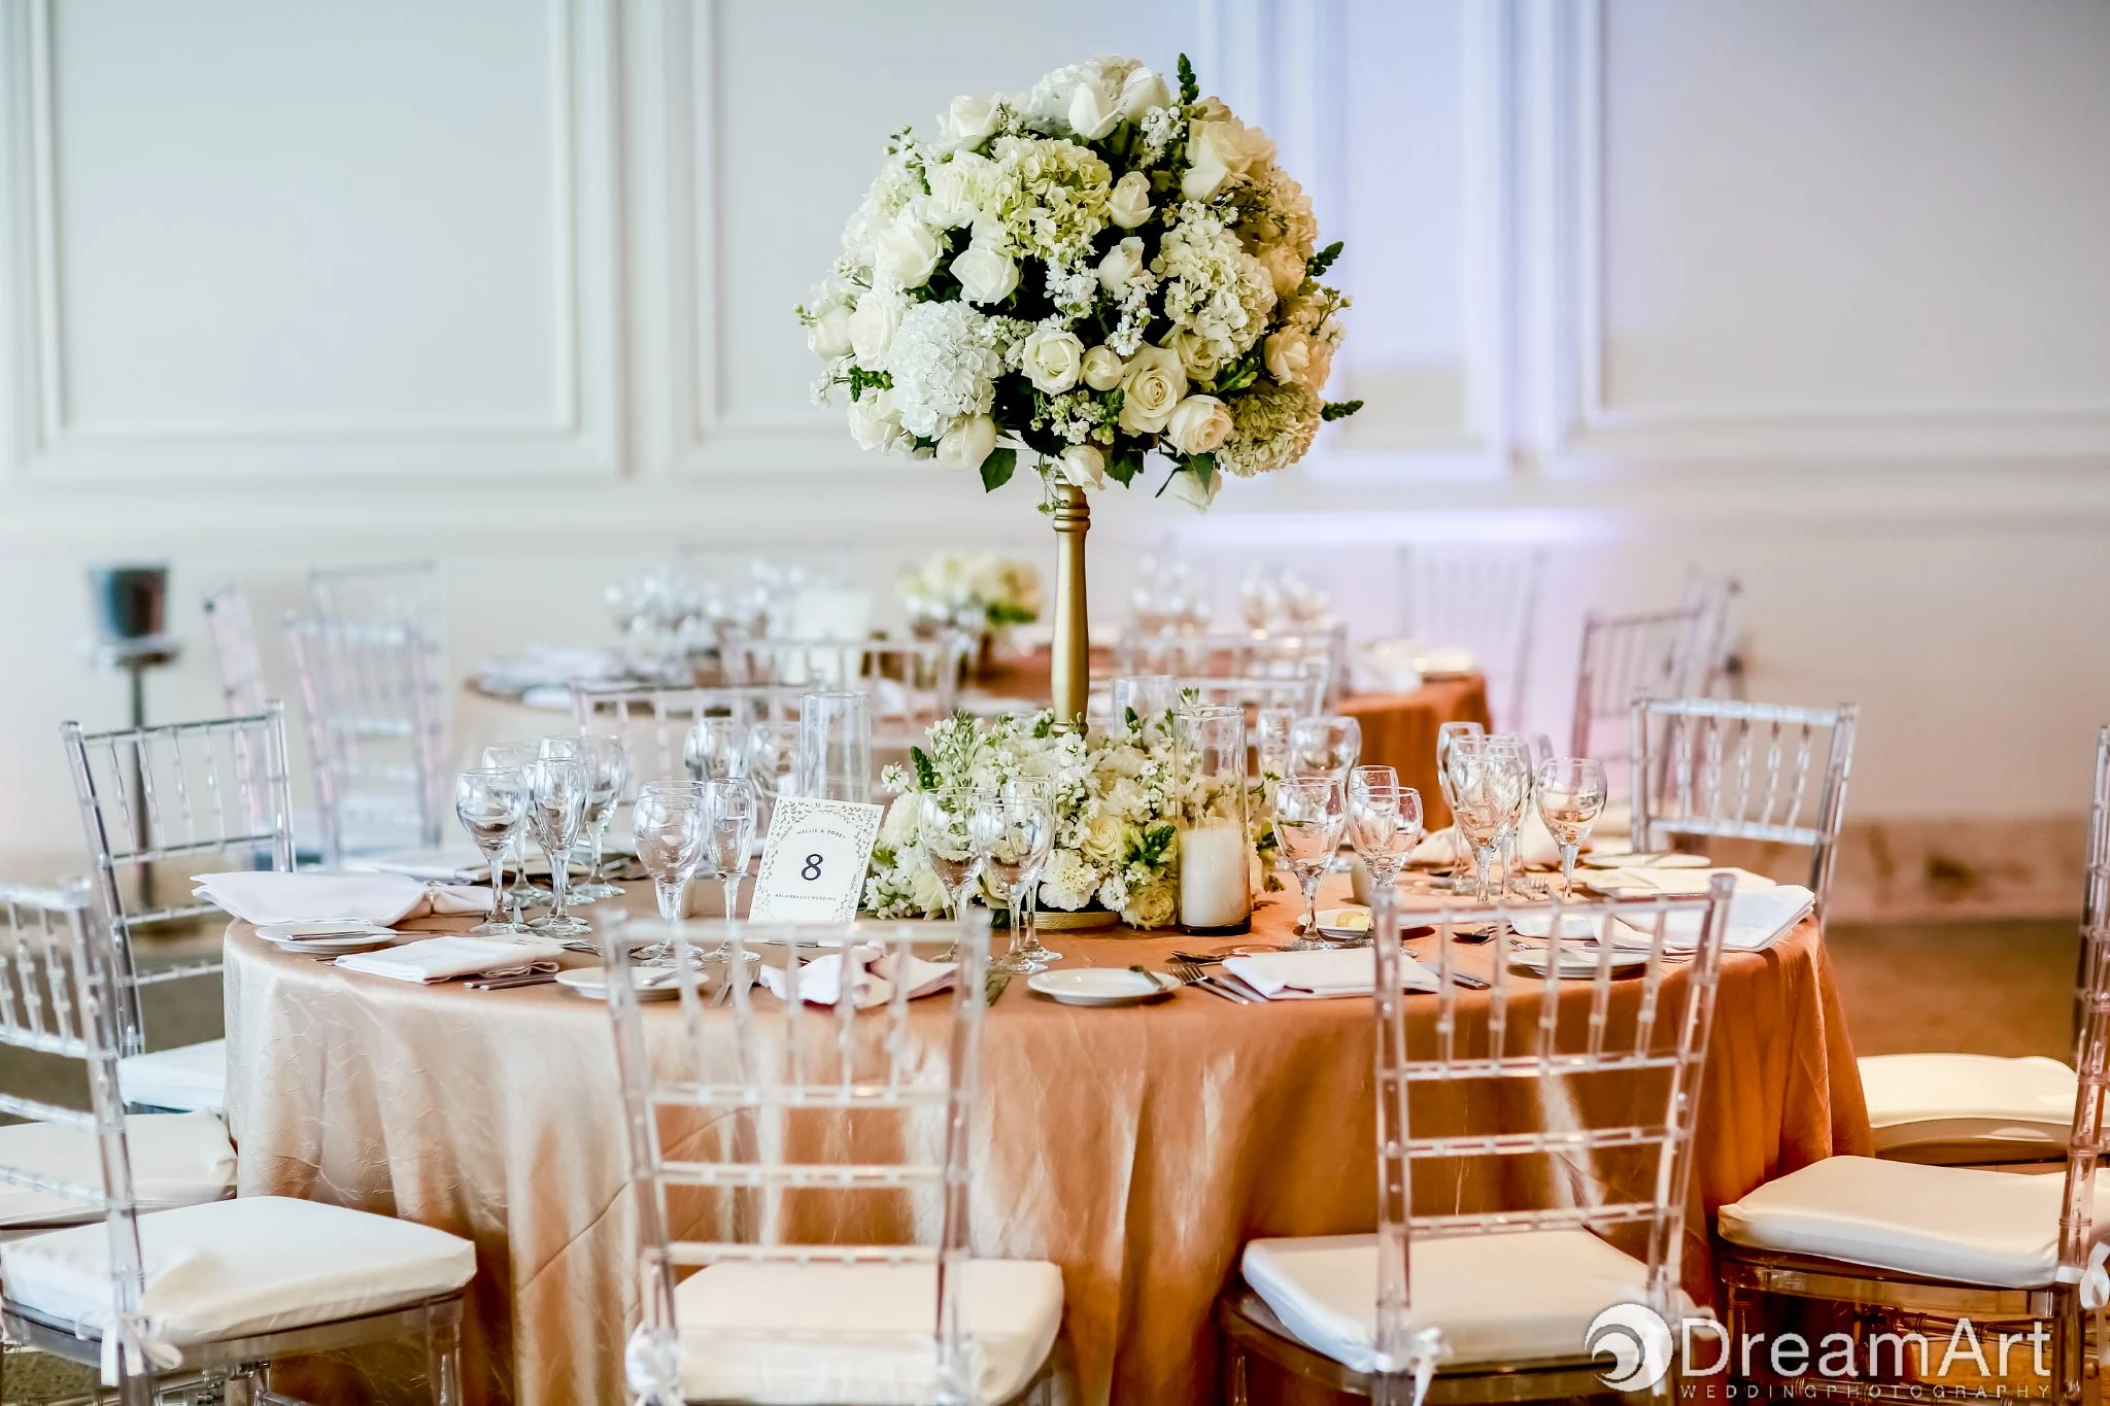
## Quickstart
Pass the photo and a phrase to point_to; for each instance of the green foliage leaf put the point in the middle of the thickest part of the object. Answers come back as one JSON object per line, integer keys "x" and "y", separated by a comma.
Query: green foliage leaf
{"x": 926, "y": 772}
{"x": 1339, "y": 409}
{"x": 998, "y": 468}
{"x": 1045, "y": 725}
{"x": 1323, "y": 260}
{"x": 862, "y": 380}
{"x": 1123, "y": 465}
{"x": 1203, "y": 467}
{"x": 1010, "y": 613}
{"x": 1133, "y": 720}
{"x": 1190, "y": 89}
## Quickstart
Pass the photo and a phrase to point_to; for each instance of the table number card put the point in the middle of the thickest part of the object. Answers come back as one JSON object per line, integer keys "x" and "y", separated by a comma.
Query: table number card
{"x": 814, "y": 862}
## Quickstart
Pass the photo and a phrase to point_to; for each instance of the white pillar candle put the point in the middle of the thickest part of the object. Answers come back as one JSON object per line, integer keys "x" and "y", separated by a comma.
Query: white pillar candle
{"x": 1214, "y": 891}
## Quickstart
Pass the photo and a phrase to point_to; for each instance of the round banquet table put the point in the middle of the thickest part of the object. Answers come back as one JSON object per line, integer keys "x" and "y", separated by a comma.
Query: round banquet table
{"x": 1137, "y": 1148}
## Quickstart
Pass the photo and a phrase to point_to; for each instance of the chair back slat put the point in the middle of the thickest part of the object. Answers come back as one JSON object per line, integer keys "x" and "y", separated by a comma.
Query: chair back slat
{"x": 1483, "y": 597}
{"x": 1656, "y": 653}
{"x": 2091, "y": 1063}
{"x": 376, "y": 731}
{"x": 234, "y": 645}
{"x": 1683, "y": 786}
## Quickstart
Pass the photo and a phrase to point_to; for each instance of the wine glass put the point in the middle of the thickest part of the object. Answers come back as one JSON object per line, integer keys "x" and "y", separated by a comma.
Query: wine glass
{"x": 1490, "y": 782}
{"x": 1513, "y": 754}
{"x": 1571, "y": 795}
{"x": 1326, "y": 746}
{"x": 1015, "y": 829}
{"x": 1308, "y": 819}
{"x": 520, "y": 756}
{"x": 607, "y": 771}
{"x": 669, "y": 818}
{"x": 557, "y": 790}
{"x": 772, "y": 765}
{"x": 716, "y": 748}
{"x": 729, "y": 834}
{"x": 564, "y": 747}
{"x": 1383, "y": 823}
{"x": 947, "y": 838}
{"x": 491, "y": 802}
{"x": 1445, "y": 735}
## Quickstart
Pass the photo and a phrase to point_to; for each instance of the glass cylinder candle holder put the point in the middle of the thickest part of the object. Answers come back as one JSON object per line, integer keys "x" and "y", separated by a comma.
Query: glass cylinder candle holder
{"x": 835, "y": 747}
{"x": 1216, "y": 892}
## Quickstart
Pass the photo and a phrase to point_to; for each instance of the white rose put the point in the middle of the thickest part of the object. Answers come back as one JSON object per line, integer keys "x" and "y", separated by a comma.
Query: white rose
{"x": 1093, "y": 113}
{"x": 1152, "y": 387}
{"x": 1122, "y": 263}
{"x": 1285, "y": 269}
{"x": 1143, "y": 90}
{"x": 1287, "y": 354}
{"x": 969, "y": 121}
{"x": 1152, "y": 907}
{"x": 1198, "y": 424}
{"x": 985, "y": 275}
{"x": 873, "y": 421}
{"x": 1219, "y": 148}
{"x": 1199, "y": 357}
{"x": 1052, "y": 357}
{"x": 1128, "y": 204}
{"x": 1083, "y": 466}
{"x": 950, "y": 204}
{"x": 873, "y": 325}
{"x": 906, "y": 253}
{"x": 1103, "y": 368}
{"x": 967, "y": 443}
{"x": 829, "y": 336}
{"x": 1188, "y": 489}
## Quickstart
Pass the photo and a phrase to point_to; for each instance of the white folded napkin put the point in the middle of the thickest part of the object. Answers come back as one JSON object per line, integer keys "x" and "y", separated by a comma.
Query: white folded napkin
{"x": 820, "y": 980}
{"x": 1758, "y": 918}
{"x": 310, "y": 896}
{"x": 1386, "y": 666}
{"x": 1538, "y": 922}
{"x": 1438, "y": 851}
{"x": 1647, "y": 879}
{"x": 449, "y": 865}
{"x": 444, "y": 958}
{"x": 1322, "y": 975}
{"x": 1442, "y": 850}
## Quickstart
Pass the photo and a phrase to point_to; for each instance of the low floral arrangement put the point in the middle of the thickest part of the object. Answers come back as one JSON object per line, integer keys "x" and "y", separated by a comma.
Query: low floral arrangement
{"x": 1086, "y": 272}
{"x": 1118, "y": 800}
{"x": 973, "y": 590}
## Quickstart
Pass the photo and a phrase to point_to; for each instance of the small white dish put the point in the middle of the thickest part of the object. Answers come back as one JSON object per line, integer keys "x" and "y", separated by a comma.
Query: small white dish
{"x": 1351, "y": 924}
{"x": 1575, "y": 963}
{"x": 653, "y": 983}
{"x": 1102, "y": 986}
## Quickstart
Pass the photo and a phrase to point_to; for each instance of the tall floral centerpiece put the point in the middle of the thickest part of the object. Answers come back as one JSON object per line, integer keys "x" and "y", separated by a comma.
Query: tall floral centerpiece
{"x": 1083, "y": 274}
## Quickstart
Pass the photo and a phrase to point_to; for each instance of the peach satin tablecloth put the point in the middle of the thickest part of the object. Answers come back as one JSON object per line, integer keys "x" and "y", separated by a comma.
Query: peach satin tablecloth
{"x": 1137, "y": 1148}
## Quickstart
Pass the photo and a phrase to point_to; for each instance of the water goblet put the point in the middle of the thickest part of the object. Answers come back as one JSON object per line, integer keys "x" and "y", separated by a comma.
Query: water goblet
{"x": 520, "y": 756}
{"x": 946, "y": 837}
{"x": 557, "y": 789}
{"x": 1490, "y": 782}
{"x": 1308, "y": 819}
{"x": 1015, "y": 829}
{"x": 1328, "y": 746}
{"x": 1571, "y": 795}
{"x": 563, "y": 747}
{"x": 491, "y": 803}
{"x": 669, "y": 818}
{"x": 1384, "y": 822}
{"x": 715, "y": 749}
{"x": 729, "y": 834}
{"x": 1445, "y": 735}
{"x": 1271, "y": 729}
{"x": 607, "y": 771}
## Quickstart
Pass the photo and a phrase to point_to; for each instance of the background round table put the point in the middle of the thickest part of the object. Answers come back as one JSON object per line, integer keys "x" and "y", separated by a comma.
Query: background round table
{"x": 1137, "y": 1148}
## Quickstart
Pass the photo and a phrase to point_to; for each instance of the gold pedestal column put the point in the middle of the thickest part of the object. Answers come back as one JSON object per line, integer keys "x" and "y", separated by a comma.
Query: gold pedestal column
{"x": 1072, "y": 672}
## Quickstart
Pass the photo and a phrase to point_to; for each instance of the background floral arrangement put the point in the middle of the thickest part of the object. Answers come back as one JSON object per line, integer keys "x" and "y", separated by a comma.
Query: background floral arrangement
{"x": 1087, "y": 271}
{"x": 973, "y": 589}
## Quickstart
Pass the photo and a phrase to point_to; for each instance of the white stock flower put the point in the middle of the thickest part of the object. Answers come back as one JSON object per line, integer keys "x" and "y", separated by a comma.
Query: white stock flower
{"x": 1213, "y": 288}
{"x": 1083, "y": 466}
{"x": 986, "y": 275}
{"x": 968, "y": 121}
{"x": 906, "y": 253}
{"x": 1287, "y": 354}
{"x": 873, "y": 325}
{"x": 1187, "y": 488}
{"x": 829, "y": 336}
{"x": 1069, "y": 882}
{"x": 874, "y": 423}
{"x": 1103, "y": 368}
{"x": 944, "y": 362}
{"x": 1142, "y": 90}
{"x": 1129, "y": 204}
{"x": 1198, "y": 425}
{"x": 1153, "y": 385}
{"x": 1052, "y": 358}
{"x": 1121, "y": 264}
{"x": 967, "y": 443}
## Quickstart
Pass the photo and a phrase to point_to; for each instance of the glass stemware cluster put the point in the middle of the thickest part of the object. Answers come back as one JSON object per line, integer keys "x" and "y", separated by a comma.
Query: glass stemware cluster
{"x": 1002, "y": 835}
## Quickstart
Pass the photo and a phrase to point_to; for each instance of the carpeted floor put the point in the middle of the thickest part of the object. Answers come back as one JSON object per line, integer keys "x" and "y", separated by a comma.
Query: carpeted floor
{"x": 2002, "y": 988}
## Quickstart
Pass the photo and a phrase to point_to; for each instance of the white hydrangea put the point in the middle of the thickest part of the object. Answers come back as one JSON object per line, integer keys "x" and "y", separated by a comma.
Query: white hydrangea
{"x": 1273, "y": 424}
{"x": 1041, "y": 197}
{"x": 944, "y": 361}
{"x": 897, "y": 187}
{"x": 1069, "y": 883}
{"x": 1213, "y": 288}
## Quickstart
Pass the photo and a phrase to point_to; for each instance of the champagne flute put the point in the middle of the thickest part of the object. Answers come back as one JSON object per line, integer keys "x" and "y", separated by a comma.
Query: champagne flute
{"x": 1308, "y": 818}
{"x": 491, "y": 802}
{"x": 556, "y": 805}
{"x": 729, "y": 834}
{"x": 1015, "y": 829}
{"x": 520, "y": 756}
{"x": 1383, "y": 822}
{"x": 716, "y": 748}
{"x": 1571, "y": 795}
{"x": 1445, "y": 736}
{"x": 669, "y": 819}
{"x": 607, "y": 771}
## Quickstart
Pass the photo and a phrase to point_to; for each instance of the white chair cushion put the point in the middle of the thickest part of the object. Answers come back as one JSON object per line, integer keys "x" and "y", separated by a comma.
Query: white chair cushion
{"x": 190, "y": 1077}
{"x": 1918, "y": 1099}
{"x": 1496, "y": 1298}
{"x": 178, "y": 1159}
{"x": 1013, "y": 1309}
{"x": 234, "y": 1268}
{"x": 1955, "y": 1223}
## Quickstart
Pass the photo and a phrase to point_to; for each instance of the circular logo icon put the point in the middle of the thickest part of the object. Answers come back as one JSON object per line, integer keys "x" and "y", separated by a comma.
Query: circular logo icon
{"x": 1637, "y": 1340}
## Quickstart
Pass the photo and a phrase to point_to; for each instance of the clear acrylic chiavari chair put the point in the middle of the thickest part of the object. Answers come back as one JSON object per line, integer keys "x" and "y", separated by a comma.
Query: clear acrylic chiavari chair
{"x": 653, "y": 722}
{"x": 863, "y": 1101}
{"x": 1902, "y": 1252}
{"x": 406, "y": 594}
{"x": 376, "y": 733}
{"x": 1574, "y": 1094}
{"x": 235, "y": 648}
{"x": 179, "y": 793}
{"x": 912, "y": 683}
{"x": 1483, "y": 597}
{"x": 1717, "y": 597}
{"x": 1236, "y": 656}
{"x": 1719, "y": 768}
{"x": 160, "y": 1281}
{"x": 1624, "y": 656}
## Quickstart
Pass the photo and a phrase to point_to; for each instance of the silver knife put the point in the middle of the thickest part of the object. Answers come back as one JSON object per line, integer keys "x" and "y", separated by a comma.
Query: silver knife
{"x": 994, "y": 988}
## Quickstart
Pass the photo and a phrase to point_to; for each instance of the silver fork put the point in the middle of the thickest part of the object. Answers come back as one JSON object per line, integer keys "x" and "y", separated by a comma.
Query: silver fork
{"x": 1191, "y": 975}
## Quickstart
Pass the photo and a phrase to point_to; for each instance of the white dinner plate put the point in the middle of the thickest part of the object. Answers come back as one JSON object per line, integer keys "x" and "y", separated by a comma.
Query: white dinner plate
{"x": 1646, "y": 861}
{"x": 1575, "y": 963}
{"x": 333, "y": 937}
{"x": 653, "y": 983}
{"x": 1102, "y": 986}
